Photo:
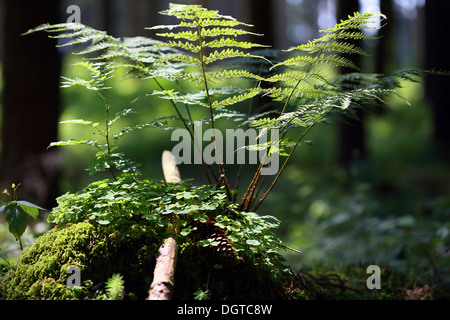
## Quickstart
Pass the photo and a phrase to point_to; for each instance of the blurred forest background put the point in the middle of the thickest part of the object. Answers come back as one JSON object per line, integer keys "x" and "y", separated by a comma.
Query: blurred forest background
{"x": 372, "y": 191}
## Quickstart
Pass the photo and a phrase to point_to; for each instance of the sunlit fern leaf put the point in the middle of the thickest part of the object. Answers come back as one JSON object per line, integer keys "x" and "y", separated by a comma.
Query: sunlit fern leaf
{"x": 72, "y": 142}
{"x": 231, "y": 42}
{"x": 291, "y": 78}
{"x": 215, "y": 77}
{"x": 248, "y": 94}
{"x": 359, "y": 21}
{"x": 321, "y": 46}
{"x": 334, "y": 41}
{"x": 306, "y": 62}
{"x": 198, "y": 33}
{"x": 136, "y": 53}
{"x": 189, "y": 99}
{"x": 228, "y": 115}
{"x": 283, "y": 93}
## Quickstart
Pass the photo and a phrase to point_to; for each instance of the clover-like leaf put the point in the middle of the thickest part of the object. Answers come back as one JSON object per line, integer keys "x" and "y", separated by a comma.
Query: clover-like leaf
{"x": 253, "y": 242}
{"x": 17, "y": 220}
{"x": 30, "y": 208}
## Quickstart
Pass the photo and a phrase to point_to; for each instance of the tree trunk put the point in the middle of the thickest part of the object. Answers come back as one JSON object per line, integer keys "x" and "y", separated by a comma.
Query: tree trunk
{"x": 351, "y": 138}
{"x": 31, "y": 74}
{"x": 437, "y": 46}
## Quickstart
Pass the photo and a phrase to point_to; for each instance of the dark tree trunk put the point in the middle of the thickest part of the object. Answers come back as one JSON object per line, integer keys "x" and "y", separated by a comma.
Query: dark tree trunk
{"x": 437, "y": 48}
{"x": 385, "y": 51}
{"x": 31, "y": 71}
{"x": 351, "y": 134}
{"x": 260, "y": 15}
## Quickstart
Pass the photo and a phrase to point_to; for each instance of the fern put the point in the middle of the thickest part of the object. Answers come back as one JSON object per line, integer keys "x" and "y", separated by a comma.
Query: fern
{"x": 308, "y": 94}
{"x": 205, "y": 49}
{"x": 206, "y": 29}
{"x": 105, "y": 55}
{"x": 202, "y": 31}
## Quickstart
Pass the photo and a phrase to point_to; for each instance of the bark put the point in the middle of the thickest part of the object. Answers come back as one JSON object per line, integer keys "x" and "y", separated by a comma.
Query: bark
{"x": 351, "y": 139}
{"x": 171, "y": 173}
{"x": 437, "y": 46}
{"x": 163, "y": 276}
{"x": 31, "y": 75}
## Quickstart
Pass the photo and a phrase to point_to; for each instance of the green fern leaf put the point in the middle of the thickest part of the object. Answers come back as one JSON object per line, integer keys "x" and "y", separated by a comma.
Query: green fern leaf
{"x": 230, "y": 74}
{"x": 307, "y": 61}
{"x": 73, "y": 142}
{"x": 236, "y": 98}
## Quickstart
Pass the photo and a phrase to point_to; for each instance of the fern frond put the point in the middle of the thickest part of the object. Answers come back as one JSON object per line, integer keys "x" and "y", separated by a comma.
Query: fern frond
{"x": 334, "y": 42}
{"x": 230, "y": 74}
{"x": 82, "y": 122}
{"x": 198, "y": 26}
{"x": 79, "y": 33}
{"x": 228, "y": 115}
{"x": 72, "y": 142}
{"x": 231, "y": 42}
{"x": 307, "y": 61}
{"x": 250, "y": 93}
{"x": 348, "y": 35}
{"x": 224, "y": 54}
{"x": 188, "y": 99}
{"x": 194, "y": 12}
{"x": 159, "y": 123}
{"x": 142, "y": 54}
{"x": 283, "y": 94}
{"x": 291, "y": 78}
{"x": 180, "y": 57}
{"x": 319, "y": 46}
{"x": 359, "y": 21}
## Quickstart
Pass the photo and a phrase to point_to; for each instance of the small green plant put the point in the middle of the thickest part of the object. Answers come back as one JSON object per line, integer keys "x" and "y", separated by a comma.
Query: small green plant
{"x": 202, "y": 294}
{"x": 115, "y": 287}
{"x": 176, "y": 207}
{"x": 17, "y": 212}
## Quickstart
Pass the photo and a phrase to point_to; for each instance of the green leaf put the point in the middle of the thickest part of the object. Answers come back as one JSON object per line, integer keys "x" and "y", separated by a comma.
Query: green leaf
{"x": 103, "y": 222}
{"x": 82, "y": 122}
{"x": 200, "y": 217}
{"x": 253, "y": 242}
{"x": 17, "y": 220}
{"x": 204, "y": 243}
{"x": 30, "y": 208}
{"x": 187, "y": 230}
{"x": 75, "y": 142}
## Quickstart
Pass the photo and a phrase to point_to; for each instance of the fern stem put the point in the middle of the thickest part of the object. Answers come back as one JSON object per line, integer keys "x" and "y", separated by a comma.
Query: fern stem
{"x": 284, "y": 165}
{"x": 206, "y": 166}
{"x": 257, "y": 175}
{"x": 211, "y": 112}
{"x": 108, "y": 144}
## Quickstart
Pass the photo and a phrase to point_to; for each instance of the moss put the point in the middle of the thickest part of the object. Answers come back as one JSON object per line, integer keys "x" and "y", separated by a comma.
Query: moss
{"x": 99, "y": 251}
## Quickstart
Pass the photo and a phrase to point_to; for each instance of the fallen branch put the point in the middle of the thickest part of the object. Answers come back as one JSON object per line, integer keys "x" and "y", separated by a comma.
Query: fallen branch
{"x": 163, "y": 275}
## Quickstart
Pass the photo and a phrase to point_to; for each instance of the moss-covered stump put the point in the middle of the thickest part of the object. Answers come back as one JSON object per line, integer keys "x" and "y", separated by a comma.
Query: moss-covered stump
{"x": 101, "y": 251}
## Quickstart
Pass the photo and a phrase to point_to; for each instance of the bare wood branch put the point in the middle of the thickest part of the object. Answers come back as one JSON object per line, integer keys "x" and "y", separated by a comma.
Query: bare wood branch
{"x": 163, "y": 275}
{"x": 163, "y": 278}
{"x": 171, "y": 173}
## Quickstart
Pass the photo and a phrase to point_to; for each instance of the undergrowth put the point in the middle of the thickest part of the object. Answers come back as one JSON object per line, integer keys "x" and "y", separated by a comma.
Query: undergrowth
{"x": 199, "y": 65}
